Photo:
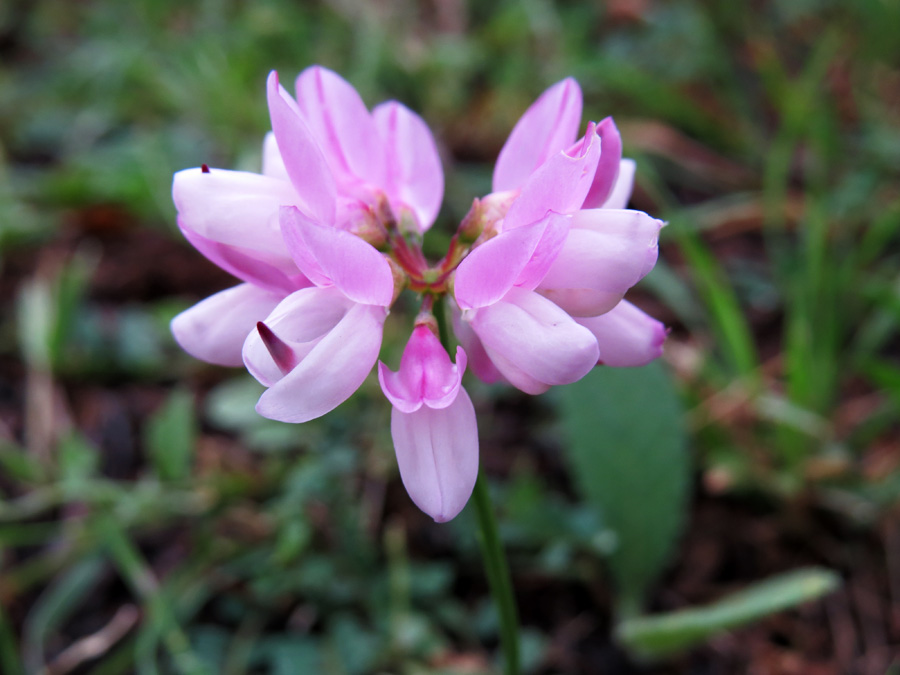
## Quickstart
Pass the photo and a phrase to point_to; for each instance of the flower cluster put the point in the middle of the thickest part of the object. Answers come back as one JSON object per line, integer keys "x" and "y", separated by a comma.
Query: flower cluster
{"x": 329, "y": 234}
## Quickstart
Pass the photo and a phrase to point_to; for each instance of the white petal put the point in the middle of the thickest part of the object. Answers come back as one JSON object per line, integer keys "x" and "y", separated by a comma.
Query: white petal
{"x": 621, "y": 191}
{"x": 214, "y": 329}
{"x": 531, "y": 340}
{"x": 236, "y": 208}
{"x": 627, "y": 336}
{"x": 272, "y": 163}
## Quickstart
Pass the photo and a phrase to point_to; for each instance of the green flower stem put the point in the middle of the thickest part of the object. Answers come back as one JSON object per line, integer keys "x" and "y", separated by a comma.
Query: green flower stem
{"x": 497, "y": 570}
{"x": 495, "y": 566}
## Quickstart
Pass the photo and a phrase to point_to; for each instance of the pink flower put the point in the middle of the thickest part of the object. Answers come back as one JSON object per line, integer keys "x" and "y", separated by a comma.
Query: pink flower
{"x": 358, "y": 157}
{"x": 330, "y": 232}
{"x": 554, "y": 259}
{"x": 329, "y": 157}
{"x": 319, "y": 344}
{"x": 433, "y": 425}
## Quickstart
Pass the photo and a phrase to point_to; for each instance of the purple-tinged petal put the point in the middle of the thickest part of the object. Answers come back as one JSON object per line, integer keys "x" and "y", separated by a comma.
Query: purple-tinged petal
{"x": 545, "y": 252}
{"x": 298, "y": 323}
{"x": 437, "y": 452}
{"x": 548, "y": 127}
{"x": 608, "y": 166}
{"x": 426, "y": 375}
{"x": 607, "y": 252}
{"x": 621, "y": 191}
{"x": 303, "y": 160}
{"x": 272, "y": 164}
{"x": 627, "y": 336}
{"x": 281, "y": 352}
{"x": 477, "y": 359}
{"x": 341, "y": 125}
{"x": 235, "y": 208}
{"x": 331, "y": 256}
{"x": 334, "y": 366}
{"x": 246, "y": 265}
{"x": 531, "y": 340}
{"x": 560, "y": 184}
{"x": 414, "y": 175}
{"x": 514, "y": 257}
{"x": 214, "y": 329}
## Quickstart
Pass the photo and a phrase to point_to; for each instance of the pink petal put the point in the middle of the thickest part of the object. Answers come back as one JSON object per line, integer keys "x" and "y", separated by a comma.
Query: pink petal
{"x": 621, "y": 191}
{"x": 245, "y": 264}
{"x": 327, "y": 375}
{"x": 545, "y": 252}
{"x": 608, "y": 167}
{"x": 626, "y": 335}
{"x": 606, "y": 253}
{"x": 478, "y": 360}
{"x": 214, "y": 329}
{"x": 300, "y": 321}
{"x": 414, "y": 175}
{"x": 341, "y": 125}
{"x": 272, "y": 164}
{"x": 437, "y": 452}
{"x": 303, "y": 160}
{"x": 560, "y": 184}
{"x": 533, "y": 342}
{"x": 331, "y": 256}
{"x": 548, "y": 127}
{"x": 514, "y": 257}
{"x": 426, "y": 374}
{"x": 237, "y": 209}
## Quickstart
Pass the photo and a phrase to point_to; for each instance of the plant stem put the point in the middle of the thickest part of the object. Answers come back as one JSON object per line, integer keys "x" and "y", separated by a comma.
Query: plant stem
{"x": 497, "y": 570}
{"x": 495, "y": 566}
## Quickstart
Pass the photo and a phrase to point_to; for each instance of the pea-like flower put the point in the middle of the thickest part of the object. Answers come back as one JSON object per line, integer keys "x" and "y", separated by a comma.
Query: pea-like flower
{"x": 562, "y": 252}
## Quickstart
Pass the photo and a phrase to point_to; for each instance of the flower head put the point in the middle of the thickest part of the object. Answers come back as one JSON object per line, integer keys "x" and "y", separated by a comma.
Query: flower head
{"x": 562, "y": 255}
{"x": 330, "y": 232}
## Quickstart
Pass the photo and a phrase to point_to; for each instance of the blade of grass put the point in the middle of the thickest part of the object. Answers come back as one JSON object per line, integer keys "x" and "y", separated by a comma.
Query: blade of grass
{"x": 54, "y": 606}
{"x": 160, "y": 623}
{"x": 728, "y": 321}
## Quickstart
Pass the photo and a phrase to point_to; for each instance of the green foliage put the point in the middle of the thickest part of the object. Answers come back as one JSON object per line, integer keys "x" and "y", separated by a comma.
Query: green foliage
{"x": 171, "y": 434}
{"x": 629, "y": 457}
{"x": 656, "y": 636}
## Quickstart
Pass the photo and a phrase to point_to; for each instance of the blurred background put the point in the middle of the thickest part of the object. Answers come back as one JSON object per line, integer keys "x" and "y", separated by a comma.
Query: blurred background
{"x": 151, "y": 522}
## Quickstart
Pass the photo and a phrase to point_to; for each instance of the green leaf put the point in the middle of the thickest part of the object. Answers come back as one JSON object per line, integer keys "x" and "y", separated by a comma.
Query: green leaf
{"x": 78, "y": 460}
{"x": 171, "y": 434}
{"x": 17, "y": 464}
{"x": 9, "y": 647}
{"x": 56, "y": 604}
{"x": 628, "y": 456}
{"x": 656, "y": 636}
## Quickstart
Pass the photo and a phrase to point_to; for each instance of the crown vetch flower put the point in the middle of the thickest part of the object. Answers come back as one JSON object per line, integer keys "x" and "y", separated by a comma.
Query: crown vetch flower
{"x": 330, "y": 158}
{"x": 329, "y": 234}
{"x": 564, "y": 237}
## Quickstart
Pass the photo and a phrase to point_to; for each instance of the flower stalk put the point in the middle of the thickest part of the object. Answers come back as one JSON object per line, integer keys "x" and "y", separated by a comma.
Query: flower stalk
{"x": 497, "y": 570}
{"x": 493, "y": 556}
